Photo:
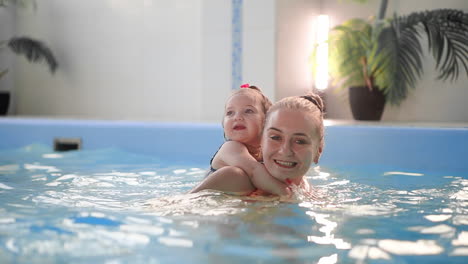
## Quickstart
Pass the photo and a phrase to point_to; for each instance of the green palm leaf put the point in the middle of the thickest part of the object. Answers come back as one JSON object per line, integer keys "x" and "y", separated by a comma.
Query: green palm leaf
{"x": 447, "y": 31}
{"x": 34, "y": 51}
{"x": 349, "y": 47}
{"x": 447, "y": 35}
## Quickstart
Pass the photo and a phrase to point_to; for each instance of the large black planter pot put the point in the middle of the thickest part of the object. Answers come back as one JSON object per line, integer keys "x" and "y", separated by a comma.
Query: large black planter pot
{"x": 4, "y": 102}
{"x": 365, "y": 104}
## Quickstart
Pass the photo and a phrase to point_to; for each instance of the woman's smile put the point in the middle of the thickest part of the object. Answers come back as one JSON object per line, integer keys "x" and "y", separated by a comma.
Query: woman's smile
{"x": 285, "y": 164}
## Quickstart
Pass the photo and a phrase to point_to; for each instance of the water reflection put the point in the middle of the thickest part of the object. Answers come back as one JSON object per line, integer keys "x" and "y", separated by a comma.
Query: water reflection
{"x": 363, "y": 252}
{"x": 419, "y": 247}
{"x": 58, "y": 209}
{"x": 328, "y": 259}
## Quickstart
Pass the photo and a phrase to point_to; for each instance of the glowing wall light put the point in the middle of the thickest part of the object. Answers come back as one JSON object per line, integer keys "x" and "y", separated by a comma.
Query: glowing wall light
{"x": 321, "y": 58}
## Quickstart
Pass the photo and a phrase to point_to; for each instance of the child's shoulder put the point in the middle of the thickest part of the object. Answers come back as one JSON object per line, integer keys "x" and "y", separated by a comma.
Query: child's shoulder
{"x": 232, "y": 147}
{"x": 233, "y": 144}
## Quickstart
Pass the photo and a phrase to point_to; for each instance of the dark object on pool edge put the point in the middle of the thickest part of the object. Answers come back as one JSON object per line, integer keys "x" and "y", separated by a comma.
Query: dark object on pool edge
{"x": 4, "y": 102}
{"x": 65, "y": 144}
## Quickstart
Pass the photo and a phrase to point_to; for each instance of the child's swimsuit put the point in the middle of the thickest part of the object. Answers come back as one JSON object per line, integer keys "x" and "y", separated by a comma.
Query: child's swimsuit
{"x": 211, "y": 161}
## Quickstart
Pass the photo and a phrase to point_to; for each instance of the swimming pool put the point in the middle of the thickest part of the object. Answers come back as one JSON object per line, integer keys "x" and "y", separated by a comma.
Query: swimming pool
{"x": 386, "y": 194}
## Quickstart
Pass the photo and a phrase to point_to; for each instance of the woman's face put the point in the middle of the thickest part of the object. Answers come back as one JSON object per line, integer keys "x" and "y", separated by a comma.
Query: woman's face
{"x": 290, "y": 144}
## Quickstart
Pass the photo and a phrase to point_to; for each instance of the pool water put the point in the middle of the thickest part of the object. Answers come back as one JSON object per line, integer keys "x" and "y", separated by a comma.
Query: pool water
{"x": 113, "y": 206}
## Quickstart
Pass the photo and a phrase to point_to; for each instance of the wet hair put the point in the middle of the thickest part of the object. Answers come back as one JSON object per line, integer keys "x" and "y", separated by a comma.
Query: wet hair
{"x": 255, "y": 91}
{"x": 310, "y": 103}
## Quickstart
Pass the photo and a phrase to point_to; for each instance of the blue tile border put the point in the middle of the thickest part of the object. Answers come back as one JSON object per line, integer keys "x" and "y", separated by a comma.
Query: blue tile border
{"x": 236, "y": 73}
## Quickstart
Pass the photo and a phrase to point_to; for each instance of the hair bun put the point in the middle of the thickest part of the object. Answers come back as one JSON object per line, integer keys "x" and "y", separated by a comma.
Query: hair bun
{"x": 315, "y": 99}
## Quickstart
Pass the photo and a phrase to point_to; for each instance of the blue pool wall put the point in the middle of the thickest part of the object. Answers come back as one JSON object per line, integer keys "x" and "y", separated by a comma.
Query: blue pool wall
{"x": 397, "y": 147}
{"x": 171, "y": 142}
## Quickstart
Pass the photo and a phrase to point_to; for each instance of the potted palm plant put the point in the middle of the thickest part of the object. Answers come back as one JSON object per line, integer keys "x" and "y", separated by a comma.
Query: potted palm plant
{"x": 380, "y": 61}
{"x": 33, "y": 50}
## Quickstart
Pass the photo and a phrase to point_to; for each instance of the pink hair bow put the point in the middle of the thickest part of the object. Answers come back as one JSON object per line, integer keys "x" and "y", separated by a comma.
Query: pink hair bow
{"x": 245, "y": 85}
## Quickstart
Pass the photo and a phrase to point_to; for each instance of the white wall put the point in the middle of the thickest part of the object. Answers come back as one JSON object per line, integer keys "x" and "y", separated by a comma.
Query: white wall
{"x": 259, "y": 46}
{"x": 119, "y": 59}
{"x": 146, "y": 59}
{"x": 216, "y": 30}
{"x": 171, "y": 59}
{"x": 294, "y": 43}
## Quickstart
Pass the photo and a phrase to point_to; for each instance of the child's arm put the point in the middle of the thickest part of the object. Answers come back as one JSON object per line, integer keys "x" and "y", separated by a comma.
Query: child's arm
{"x": 228, "y": 179}
{"x": 262, "y": 179}
{"x": 234, "y": 153}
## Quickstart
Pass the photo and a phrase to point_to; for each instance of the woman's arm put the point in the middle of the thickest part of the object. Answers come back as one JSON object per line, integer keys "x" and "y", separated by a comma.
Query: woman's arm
{"x": 236, "y": 154}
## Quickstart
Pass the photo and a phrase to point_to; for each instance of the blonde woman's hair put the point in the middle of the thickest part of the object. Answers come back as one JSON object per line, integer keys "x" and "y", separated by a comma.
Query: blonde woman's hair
{"x": 310, "y": 103}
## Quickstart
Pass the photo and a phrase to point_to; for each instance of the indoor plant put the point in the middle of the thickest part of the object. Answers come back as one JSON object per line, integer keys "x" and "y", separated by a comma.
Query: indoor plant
{"x": 33, "y": 50}
{"x": 384, "y": 58}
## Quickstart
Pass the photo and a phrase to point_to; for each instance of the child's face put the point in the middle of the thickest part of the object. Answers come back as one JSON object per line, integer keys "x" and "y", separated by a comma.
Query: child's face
{"x": 243, "y": 119}
{"x": 289, "y": 144}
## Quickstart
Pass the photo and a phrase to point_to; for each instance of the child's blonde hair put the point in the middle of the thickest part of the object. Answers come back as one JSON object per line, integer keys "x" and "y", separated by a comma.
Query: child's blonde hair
{"x": 310, "y": 103}
{"x": 257, "y": 92}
